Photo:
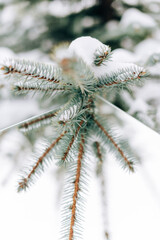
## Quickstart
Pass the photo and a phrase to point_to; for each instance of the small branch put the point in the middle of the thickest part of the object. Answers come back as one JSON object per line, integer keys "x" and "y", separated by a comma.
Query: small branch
{"x": 19, "y": 88}
{"x": 102, "y": 55}
{"x": 31, "y": 69}
{"x": 118, "y": 82}
{"x": 121, "y": 79}
{"x": 76, "y": 186}
{"x": 126, "y": 80}
{"x": 71, "y": 142}
{"x": 129, "y": 164}
{"x": 24, "y": 183}
{"x": 13, "y": 70}
{"x": 37, "y": 120}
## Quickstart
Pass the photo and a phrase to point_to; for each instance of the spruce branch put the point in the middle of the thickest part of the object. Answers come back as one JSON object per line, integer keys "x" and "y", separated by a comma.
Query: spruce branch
{"x": 81, "y": 130}
{"x": 26, "y": 181}
{"x": 29, "y": 70}
{"x": 76, "y": 187}
{"x": 39, "y": 121}
{"x": 44, "y": 89}
{"x": 75, "y": 191}
{"x": 71, "y": 109}
{"x": 130, "y": 75}
{"x": 102, "y": 55}
{"x": 66, "y": 153}
{"x": 127, "y": 160}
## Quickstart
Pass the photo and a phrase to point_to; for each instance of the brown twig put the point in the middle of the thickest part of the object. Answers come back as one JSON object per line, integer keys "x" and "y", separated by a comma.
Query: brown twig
{"x": 13, "y": 70}
{"x": 24, "y": 183}
{"x": 40, "y": 89}
{"x": 129, "y": 164}
{"x": 76, "y": 186}
{"x": 124, "y": 81}
{"x": 71, "y": 142}
{"x": 27, "y": 124}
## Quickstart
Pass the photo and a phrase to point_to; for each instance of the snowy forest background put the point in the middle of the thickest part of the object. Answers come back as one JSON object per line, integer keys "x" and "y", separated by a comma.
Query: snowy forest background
{"x": 30, "y": 29}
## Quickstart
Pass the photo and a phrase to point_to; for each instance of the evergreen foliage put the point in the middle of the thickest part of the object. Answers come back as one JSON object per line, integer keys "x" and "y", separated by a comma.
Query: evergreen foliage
{"x": 79, "y": 131}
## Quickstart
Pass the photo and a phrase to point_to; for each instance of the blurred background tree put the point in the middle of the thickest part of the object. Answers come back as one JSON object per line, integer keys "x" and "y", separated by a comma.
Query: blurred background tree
{"x": 27, "y": 25}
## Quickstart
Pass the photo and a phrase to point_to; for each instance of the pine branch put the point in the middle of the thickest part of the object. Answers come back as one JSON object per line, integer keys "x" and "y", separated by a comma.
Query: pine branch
{"x": 28, "y": 70}
{"x": 127, "y": 160}
{"x": 35, "y": 77}
{"x": 44, "y": 119}
{"x": 66, "y": 153}
{"x": 67, "y": 148}
{"x": 102, "y": 55}
{"x": 24, "y": 184}
{"x": 71, "y": 109}
{"x": 75, "y": 191}
{"x": 25, "y": 88}
{"x": 123, "y": 77}
{"x": 76, "y": 187}
{"x": 81, "y": 74}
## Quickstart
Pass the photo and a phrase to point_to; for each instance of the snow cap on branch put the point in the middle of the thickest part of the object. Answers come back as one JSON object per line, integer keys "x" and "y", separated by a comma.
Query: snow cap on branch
{"x": 87, "y": 48}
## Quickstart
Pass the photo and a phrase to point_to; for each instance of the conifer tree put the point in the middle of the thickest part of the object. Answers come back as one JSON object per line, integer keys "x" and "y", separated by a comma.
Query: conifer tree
{"x": 81, "y": 135}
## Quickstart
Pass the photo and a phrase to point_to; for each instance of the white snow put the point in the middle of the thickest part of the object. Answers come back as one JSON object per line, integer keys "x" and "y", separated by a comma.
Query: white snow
{"x": 55, "y": 7}
{"x": 88, "y": 21}
{"x": 10, "y": 12}
{"x": 149, "y": 1}
{"x": 5, "y": 53}
{"x": 134, "y": 16}
{"x": 112, "y": 25}
{"x": 111, "y": 67}
{"x": 16, "y": 110}
{"x": 147, "y": 47}
{"x": 85, "y": 48}
{"x": 154, "y": 70}
{"x": 123, "y": 55}
{"x": 144, "y": 2}
{"x": 131, "y": 2}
